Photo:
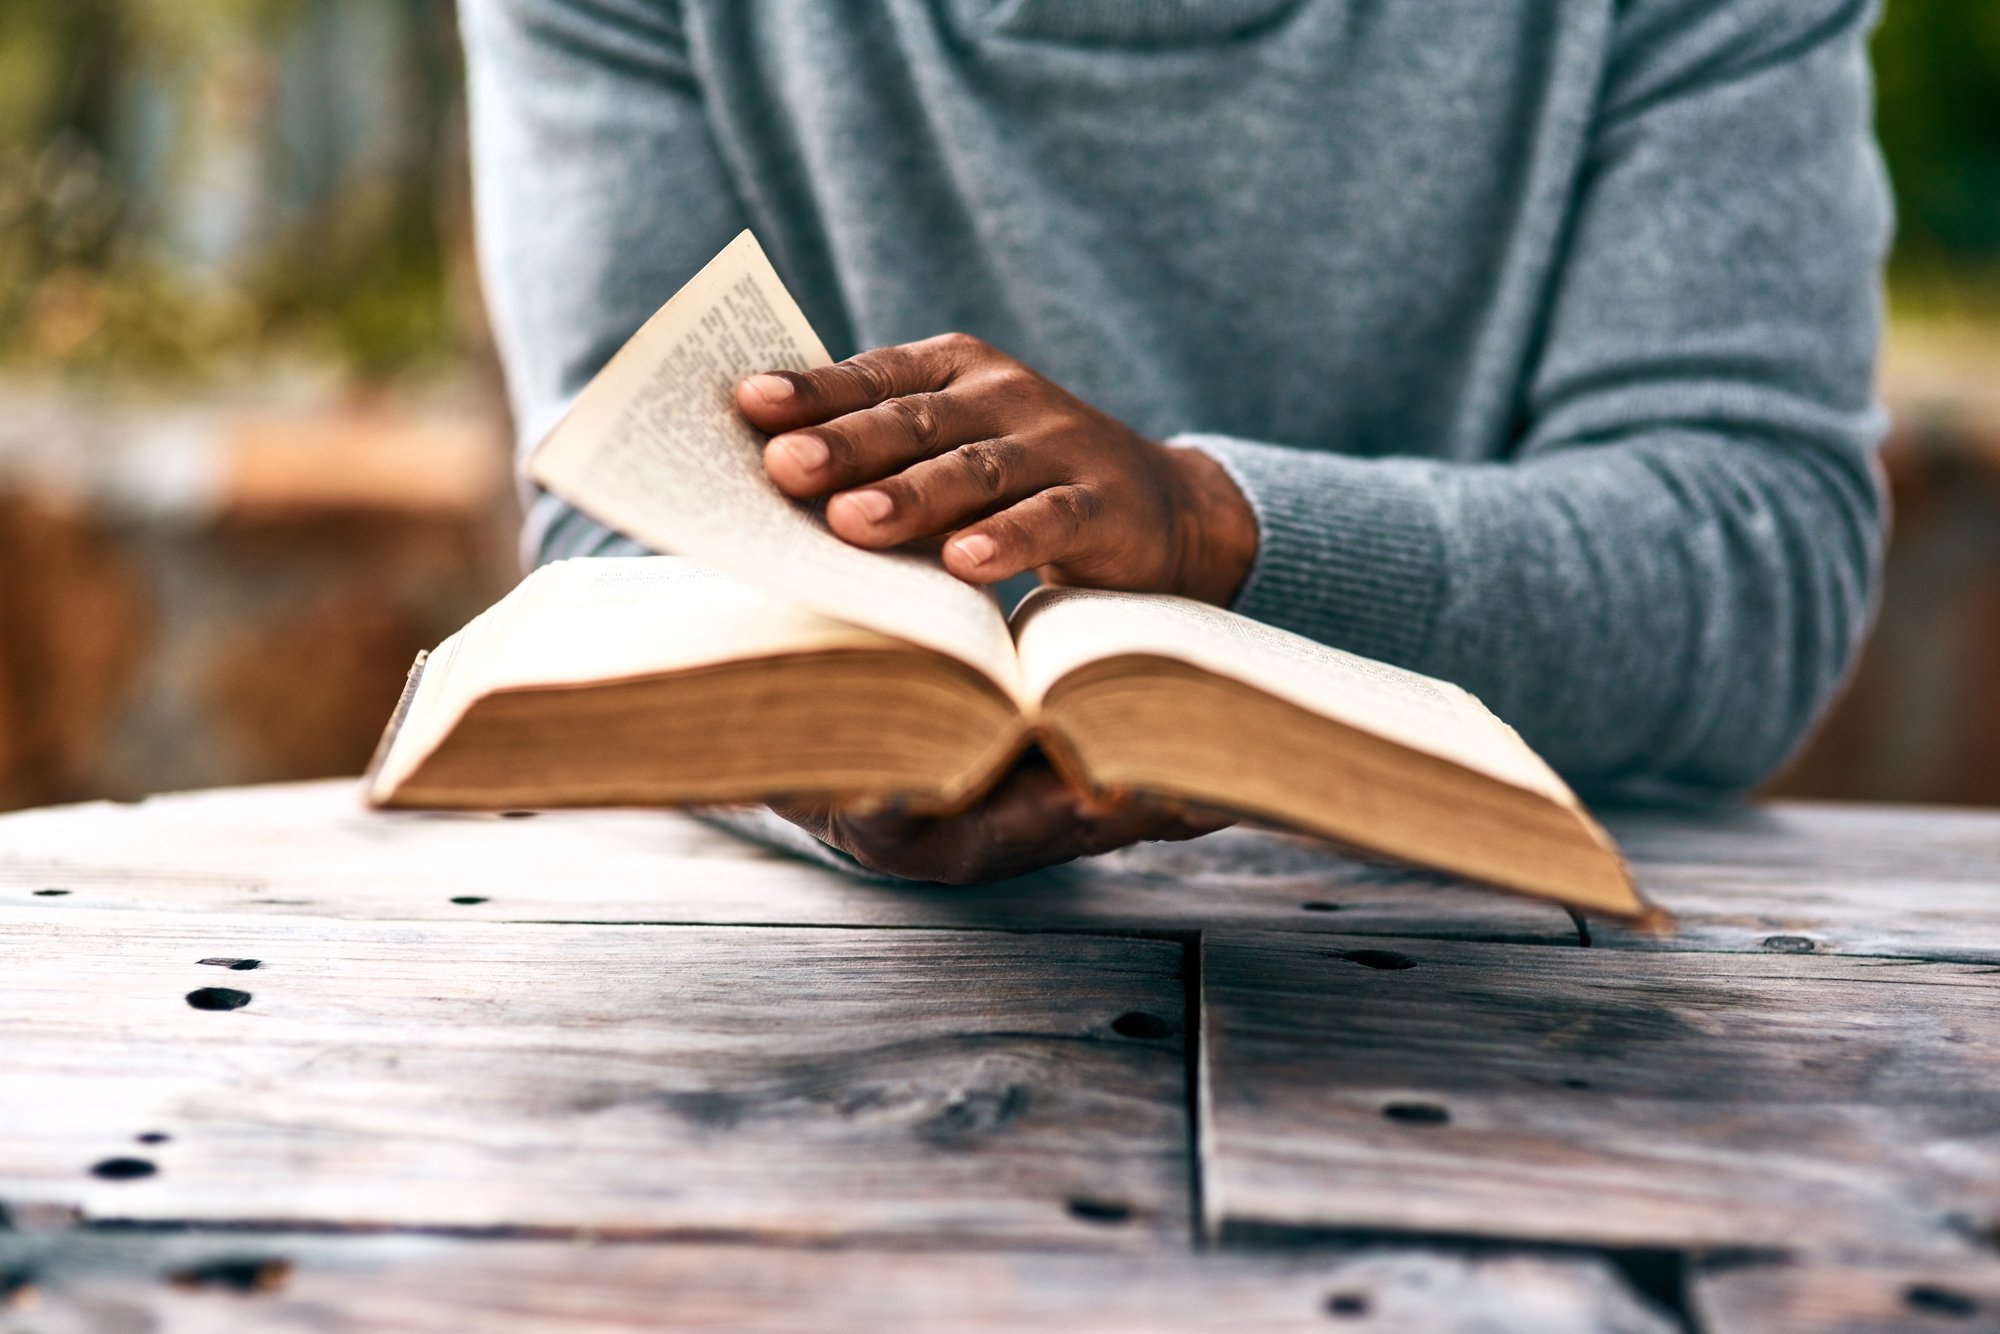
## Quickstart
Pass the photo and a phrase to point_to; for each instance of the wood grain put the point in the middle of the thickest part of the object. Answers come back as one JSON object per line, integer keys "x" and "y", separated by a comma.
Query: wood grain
{"x": 431, "y": 1285}
{"x": 1850, "y": 1296}
{"x": 1672, "y": 1100}
{"x": 628, "y": 1025}
{"x": 1807, "y": 877}
{"x": 1817, "y": 878}
{"x": 919, "y": 1086}
{"x": 310, "y": 849}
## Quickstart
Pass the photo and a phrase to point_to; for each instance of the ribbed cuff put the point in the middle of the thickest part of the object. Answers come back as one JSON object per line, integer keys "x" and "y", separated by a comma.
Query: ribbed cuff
{"x": 1350, "y": 551}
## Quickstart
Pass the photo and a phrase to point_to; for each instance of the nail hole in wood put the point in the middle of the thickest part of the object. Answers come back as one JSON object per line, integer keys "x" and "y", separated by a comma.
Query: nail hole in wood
{"x": 1319, "y": 905}
{"x": 1387, "y": 960}
{"x": 1576, "y": 1083}
{"x": 1790, "y": 944}
{"x": 1099, "y": 1211}
{"x": 470, "y": 898}
{"x": 1139, "y": 1024}
{"x": 123, "y": 1169}
{"x": 218, "y": 998}
{"x": 1417, "y": 1114}
{"x": 50, "y": 893}
{"x": 234, "y": 965}
{"x": 1933, "y": 1300}
{"x": 1347, "y": 1305}
{"x": 245, "y": 1275}
{"x": 153, "y": 1137}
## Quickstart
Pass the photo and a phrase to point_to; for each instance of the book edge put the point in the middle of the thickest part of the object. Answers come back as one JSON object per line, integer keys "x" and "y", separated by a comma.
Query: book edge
{"x": 371, "y": 775}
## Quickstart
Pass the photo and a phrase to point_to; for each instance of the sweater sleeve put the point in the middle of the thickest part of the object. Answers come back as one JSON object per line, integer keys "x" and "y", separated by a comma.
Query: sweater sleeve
{"x": 1663, "y": 583}
{"x": 598, "y": 189}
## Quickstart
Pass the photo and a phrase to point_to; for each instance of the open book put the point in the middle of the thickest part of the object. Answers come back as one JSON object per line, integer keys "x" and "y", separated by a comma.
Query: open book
{"x": 768, "y": 658}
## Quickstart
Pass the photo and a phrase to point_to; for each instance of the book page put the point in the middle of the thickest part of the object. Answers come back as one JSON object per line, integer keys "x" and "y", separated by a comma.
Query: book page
{"x": 604, "y": 619}
{"x": 1061, "y": 629}
{"x": 656, "y": 449}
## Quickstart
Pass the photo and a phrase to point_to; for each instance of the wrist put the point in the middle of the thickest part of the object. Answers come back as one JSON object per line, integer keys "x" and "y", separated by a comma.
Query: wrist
{"x": 1215, "y": 538}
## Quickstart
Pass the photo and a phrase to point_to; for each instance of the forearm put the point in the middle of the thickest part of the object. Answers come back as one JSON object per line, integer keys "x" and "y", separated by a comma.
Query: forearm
{"x": 1675, "y": 607}
{"x": 1669, "y": 570}
{"x": 599, "y": 189}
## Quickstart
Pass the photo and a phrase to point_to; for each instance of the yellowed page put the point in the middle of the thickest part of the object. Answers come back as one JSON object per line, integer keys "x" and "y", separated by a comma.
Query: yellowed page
{"x": 655, "y": 448}
{"x": 1061, "y": 629}
{"x": 579, "y": 621}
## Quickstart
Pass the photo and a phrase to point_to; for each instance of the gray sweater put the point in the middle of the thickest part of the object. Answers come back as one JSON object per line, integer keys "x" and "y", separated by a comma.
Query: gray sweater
{"x": 1538, "y": 333}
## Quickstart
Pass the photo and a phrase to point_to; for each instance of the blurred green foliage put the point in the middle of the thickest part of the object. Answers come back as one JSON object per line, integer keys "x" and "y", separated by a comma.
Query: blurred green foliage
{"x": 170, "y": 205}
{"x": 134, "y": 134}
{"x": 1937, "y": 71}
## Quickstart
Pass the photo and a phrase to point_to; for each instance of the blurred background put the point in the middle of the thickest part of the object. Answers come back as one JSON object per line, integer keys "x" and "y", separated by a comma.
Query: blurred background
{"x": 253, "y": 450}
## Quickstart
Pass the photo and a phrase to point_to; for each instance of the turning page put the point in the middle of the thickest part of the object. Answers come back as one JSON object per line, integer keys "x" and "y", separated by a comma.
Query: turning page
{"x": 655, "y": 448}
{"x": 1062, "y": 629}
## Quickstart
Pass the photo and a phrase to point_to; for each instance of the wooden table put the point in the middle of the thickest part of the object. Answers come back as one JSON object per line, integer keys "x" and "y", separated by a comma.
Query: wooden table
{"x": 271, "y": 1063}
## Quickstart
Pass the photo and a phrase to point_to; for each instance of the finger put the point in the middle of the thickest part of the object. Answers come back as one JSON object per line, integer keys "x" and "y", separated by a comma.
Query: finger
{"x": 1028, "y": 809}
{"x": 1177, "y": 821}
{"x": 810, "y": 816}
{"x": 884, "y": 841}
{"x": 941, "y": 494}
{"x": 1026, "y": 823}
{"x": 824, "y": 820}
{"x": 1029, "y": 820}
{"x": 1177, "y": 818}
{"x": 1120, "y": 821}
{"x": 816, "y": 818}
{"x": 1185, "y": 824}
{"x": 1132, "y": 820}
{"x": 1044, "y": 529}
{"x": 872, "y": 443}
{"x": 778, "y": 401}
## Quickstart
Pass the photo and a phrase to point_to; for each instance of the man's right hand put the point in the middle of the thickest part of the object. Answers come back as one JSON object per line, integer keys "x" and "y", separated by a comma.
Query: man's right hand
{"x": 1030, "y": 820}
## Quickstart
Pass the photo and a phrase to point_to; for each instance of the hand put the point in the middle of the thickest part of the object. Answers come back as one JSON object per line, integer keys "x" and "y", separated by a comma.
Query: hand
{"x": 950, "y": 438}
{"x": 1028, "y": 821}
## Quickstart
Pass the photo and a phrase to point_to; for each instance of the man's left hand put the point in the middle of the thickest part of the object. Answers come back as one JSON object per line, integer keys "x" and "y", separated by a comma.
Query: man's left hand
{"x": 949, "y": 438}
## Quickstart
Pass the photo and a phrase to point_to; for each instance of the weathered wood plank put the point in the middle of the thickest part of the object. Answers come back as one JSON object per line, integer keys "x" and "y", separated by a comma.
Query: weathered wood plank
{"x": 326, "y": 1285}
{"x": 310, "y": 849}
{"x": 1666, "y": 1100}
{"x": 1819, "y": 877}
{"x": 923, "y": 1086}
{"x": 1848, "y": 1296}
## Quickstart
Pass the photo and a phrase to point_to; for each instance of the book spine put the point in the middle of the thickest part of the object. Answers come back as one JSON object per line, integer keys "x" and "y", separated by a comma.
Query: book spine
{"x": 395, "y": 720}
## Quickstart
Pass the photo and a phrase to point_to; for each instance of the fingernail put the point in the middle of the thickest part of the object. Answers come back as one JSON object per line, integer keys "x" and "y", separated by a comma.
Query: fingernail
{"x": 806, "y": 452}
{"x": 772, "y": 389}
{"x": 872, "y": 506}
{"x": 975, "y": 549}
